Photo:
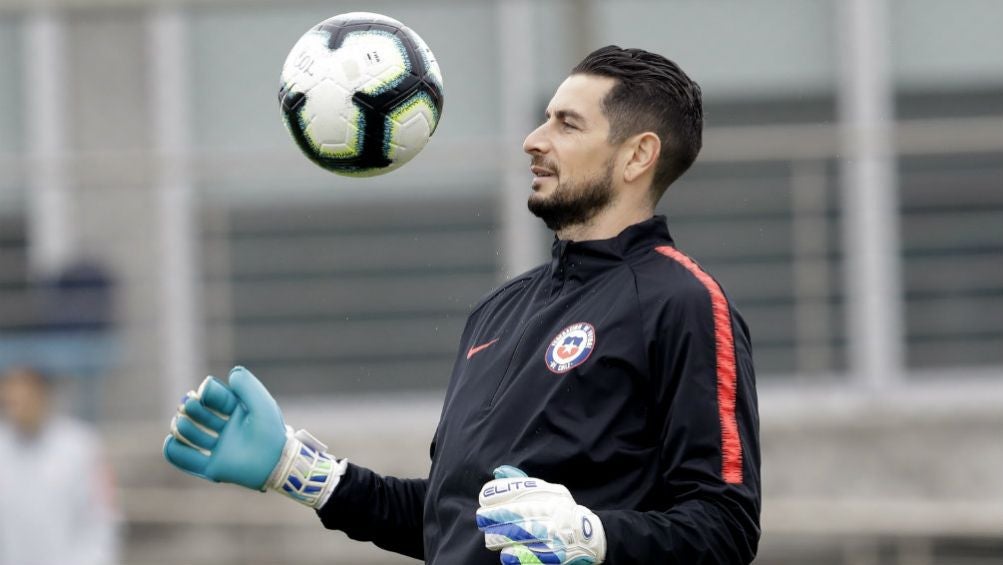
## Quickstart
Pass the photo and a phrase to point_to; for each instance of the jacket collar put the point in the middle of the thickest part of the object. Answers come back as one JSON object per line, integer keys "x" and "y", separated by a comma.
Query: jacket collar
{"x": 579, "y": 259}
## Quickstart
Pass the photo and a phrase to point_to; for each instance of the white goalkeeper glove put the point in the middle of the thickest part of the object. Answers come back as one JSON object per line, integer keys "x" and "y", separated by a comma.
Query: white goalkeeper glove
{"x": 533, "y": 521}
{"x": 235, "y": 434}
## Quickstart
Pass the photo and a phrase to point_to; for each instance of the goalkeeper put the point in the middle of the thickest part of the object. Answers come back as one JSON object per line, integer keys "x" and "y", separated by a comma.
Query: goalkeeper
{"x": 602, "y": 407}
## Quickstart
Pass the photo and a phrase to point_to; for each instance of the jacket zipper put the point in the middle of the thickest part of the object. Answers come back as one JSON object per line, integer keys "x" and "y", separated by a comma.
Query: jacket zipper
{"x": 518, "y": 346}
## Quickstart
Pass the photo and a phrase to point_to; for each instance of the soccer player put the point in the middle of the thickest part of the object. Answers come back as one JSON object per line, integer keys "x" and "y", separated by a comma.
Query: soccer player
{"x": 56, "y": 489}
{"x": 602, "y": 408}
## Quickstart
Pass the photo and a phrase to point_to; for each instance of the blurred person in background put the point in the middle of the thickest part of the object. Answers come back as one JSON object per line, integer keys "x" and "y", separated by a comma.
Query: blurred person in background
{"x": 56, "y": 490}
{"x": 618, "y": 375}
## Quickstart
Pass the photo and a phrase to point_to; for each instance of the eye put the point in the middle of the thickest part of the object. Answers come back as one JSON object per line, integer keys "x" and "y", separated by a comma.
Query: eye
{"x": 568, "y": 126}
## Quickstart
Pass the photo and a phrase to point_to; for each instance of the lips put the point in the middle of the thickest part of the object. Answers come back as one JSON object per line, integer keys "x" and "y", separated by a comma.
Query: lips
{"x": 541, "y": 172}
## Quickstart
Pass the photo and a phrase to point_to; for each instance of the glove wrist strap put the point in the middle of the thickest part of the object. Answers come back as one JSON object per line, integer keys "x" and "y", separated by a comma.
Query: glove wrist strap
{"x": 591, "y": 531}
{"x": 305, "y": 472}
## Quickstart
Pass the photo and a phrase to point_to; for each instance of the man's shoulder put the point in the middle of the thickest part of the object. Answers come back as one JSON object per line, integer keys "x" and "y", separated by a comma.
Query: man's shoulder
{"x": 667, "y": 272}
{"x": 60, "y": 432}
{"x": 74, "y": 433}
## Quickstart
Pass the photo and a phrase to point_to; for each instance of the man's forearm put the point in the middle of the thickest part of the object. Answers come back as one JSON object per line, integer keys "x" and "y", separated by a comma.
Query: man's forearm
{"x": 386, "y": 511}
{"x": 695, "y": 531}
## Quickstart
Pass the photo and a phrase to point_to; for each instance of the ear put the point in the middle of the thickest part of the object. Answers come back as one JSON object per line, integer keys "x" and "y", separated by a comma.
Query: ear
{"x": 643, "y": 151}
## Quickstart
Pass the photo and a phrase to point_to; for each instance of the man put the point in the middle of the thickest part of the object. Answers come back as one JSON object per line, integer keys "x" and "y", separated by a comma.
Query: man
{"x": 55, "y": 490}
{"x": 611, "y": 390}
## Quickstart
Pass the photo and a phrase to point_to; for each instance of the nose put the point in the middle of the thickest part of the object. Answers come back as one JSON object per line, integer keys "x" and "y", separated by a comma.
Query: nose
{"x": 535, "y": 142}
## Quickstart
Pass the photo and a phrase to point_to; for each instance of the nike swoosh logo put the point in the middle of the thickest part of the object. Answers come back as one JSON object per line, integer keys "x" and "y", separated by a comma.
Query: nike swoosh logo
{"x": 477, "y": 349}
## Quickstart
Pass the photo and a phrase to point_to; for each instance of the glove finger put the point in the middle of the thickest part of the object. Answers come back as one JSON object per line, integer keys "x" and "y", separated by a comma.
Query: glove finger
{"x": 184, "y": 457}
{"x": 253, "y": 394}
{"x": 509, "y": 472}
{"x": 503, "y": 528}
{"x": 192, "y": 433}
{"x": 535, "y": 553}
{"x": 216, "y": 396}
{"x": 202, "y": 415}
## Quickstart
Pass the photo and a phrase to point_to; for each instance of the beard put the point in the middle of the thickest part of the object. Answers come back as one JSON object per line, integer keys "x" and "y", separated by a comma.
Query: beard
{"x": 574, "y": 203}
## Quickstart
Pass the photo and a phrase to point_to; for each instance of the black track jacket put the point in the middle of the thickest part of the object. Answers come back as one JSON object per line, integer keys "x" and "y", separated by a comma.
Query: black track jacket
{"x": 619, "y": 370}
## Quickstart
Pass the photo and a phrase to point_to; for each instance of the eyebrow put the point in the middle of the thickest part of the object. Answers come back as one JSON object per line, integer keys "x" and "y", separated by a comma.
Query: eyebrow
{"x": 566, "y": 115}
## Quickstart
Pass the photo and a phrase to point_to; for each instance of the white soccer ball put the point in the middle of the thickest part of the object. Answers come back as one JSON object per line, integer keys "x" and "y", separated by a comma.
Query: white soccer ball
{"x": 361, "y": 94}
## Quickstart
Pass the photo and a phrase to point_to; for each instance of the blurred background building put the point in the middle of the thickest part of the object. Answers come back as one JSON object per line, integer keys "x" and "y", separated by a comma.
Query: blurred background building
{"x": 849, "y": 196}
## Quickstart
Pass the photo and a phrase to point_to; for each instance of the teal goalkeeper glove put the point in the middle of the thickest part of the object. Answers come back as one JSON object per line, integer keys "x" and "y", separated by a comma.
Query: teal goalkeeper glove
{"x": 236, "y": 434}
{"x": 533, "y": 521}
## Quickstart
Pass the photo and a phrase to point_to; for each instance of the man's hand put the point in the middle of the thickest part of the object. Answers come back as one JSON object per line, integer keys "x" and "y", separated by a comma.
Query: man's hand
{"x": 229, "y": 434}
{"x": 533, "y": 521}
{"x": 236, "y": 434}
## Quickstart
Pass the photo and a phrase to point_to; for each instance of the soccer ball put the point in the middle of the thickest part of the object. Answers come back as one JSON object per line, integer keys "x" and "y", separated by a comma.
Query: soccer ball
{"x": 361, "y": 94}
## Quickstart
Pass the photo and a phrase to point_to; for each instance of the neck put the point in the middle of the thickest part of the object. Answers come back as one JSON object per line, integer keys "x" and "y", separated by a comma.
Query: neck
{"x": 30, "y": 430}
{"x": 605, "y": 225}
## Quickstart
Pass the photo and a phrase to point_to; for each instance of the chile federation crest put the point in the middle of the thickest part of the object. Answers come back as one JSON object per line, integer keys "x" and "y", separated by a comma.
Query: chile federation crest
{"x": 571, "y": 347}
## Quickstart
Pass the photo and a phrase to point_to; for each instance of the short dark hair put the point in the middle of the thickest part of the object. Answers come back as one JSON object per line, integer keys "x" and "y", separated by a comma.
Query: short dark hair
{"x": 651, "y": 94}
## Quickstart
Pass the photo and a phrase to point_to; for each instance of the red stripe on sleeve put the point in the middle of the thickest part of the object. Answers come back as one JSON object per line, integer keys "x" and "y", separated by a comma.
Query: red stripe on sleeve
{"x": 727, "y": 373}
